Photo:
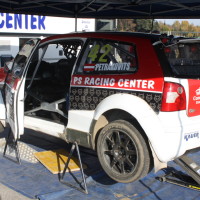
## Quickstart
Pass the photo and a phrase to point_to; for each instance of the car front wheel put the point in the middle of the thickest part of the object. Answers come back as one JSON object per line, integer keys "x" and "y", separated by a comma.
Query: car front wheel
{"x": 123, "y": 152}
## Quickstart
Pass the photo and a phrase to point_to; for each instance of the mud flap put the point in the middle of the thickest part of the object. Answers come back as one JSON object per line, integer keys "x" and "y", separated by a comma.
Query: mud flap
{"x": 1, "y": 127}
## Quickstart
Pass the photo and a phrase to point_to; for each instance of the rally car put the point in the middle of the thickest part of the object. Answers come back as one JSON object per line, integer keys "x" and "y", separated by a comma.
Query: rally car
{"x": 132, "y": 97}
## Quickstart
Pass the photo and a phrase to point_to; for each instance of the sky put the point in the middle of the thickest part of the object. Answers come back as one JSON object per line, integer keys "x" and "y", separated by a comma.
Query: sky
{"x": 196, "y": 22}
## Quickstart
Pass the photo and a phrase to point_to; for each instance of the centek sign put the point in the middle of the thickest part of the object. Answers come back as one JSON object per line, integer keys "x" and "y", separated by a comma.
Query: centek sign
{"x": 19, "y": 21}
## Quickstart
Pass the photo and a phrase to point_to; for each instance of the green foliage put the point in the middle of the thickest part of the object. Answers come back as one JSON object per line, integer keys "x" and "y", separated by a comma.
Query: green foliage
{"x": 137, "y": 25}
{"x": 183, "y": 28}
{"x": 126, "y": 25}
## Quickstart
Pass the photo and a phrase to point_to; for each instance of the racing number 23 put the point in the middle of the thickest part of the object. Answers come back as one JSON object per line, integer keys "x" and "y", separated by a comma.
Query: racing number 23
{"x": 95, "y": 50}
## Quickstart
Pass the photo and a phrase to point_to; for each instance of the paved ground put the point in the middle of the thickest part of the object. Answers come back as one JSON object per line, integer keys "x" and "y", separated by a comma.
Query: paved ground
{"x": 6, "y": 193}
{"x": 9, "y": 194}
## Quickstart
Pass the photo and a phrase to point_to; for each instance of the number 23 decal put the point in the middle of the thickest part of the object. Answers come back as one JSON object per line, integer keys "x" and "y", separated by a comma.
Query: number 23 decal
{"x": 95, "y": 50}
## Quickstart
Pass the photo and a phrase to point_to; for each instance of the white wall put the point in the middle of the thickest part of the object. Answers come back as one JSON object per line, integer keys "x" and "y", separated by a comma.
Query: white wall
{"x": 9, "y": 45}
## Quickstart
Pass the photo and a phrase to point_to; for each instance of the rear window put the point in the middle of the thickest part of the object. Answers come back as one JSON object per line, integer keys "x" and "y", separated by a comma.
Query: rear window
{"x": 184, "y": 58}
{"x": 108, "y": 57}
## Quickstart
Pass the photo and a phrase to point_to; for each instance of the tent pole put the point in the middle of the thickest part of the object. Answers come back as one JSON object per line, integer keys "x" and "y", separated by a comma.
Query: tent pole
{"x": 152, "y": 23}
{"x": 76, "y": 24}
{"x": 76, "y": 16}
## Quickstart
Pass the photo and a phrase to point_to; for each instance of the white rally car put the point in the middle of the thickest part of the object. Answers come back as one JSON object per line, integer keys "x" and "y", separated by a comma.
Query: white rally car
{"x": 133, "y": 97}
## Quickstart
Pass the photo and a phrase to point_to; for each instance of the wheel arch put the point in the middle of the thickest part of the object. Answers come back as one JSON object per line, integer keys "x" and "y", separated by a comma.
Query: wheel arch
{"x": 120, "y": 106}
{"x": 112, "y": 110}
{"x": 110, "y": 116}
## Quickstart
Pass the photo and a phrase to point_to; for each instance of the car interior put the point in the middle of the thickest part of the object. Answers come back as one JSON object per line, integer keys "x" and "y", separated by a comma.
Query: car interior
{"x": 48, "y": 81}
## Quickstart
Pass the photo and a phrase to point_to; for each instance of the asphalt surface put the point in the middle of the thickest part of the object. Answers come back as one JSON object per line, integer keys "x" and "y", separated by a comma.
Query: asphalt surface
{"x": 9, "y": 194}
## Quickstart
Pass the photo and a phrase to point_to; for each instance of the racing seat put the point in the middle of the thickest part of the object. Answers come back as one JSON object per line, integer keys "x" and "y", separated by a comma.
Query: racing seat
{"x": 63, "y": 72}
{"x": 55, "y": 81}
{"x": 53, "y": 94}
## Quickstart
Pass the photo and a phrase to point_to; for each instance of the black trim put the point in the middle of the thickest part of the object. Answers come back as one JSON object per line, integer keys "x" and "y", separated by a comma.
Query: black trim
{"x": 88, "y": 98}
{"x": 163, "y": 61}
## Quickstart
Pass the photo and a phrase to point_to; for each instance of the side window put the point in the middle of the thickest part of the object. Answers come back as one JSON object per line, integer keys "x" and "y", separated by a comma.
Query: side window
{"x": 108, "y": 57}
{"x": 56, "y": 60}
{"x": 53, "y": 53}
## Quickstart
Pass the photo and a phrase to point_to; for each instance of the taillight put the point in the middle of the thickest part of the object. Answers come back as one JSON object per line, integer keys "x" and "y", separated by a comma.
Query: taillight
{"x": 174, "y": 98}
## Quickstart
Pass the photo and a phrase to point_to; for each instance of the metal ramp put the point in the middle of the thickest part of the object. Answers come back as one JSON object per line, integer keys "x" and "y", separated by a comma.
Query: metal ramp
{"x": 192, "y": 180}
{"x": 191, "y": 167}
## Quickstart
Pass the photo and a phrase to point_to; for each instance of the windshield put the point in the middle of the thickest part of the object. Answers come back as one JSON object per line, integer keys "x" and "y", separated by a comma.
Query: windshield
{"x": 184, "y": 58}
{"x": 22, "y": 56}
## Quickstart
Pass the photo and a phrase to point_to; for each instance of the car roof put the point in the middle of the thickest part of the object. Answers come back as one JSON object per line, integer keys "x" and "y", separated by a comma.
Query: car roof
{"x": 105, "y": 35}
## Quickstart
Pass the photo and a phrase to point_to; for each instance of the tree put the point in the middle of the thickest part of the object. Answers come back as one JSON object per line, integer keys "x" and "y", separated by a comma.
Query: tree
{"x": 185, "y": 26}
{"x": 164, "y": 27}
{"x": 176, "y": 26}
{"x": 145, "y": 25}
{"x": 126, "y": 25}
{"x": 137, "y": 25}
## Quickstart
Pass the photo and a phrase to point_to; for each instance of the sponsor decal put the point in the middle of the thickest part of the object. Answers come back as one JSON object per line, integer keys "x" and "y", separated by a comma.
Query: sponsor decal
{"x": 194, "y": 98}
{"x": 114, "y": 82}
{"x": 189, "y": 136}
{"x": 89, "y": 67}
{"x": 198, "y": 91}
{"x": 99, "y": 60}
{"x": 107, "y": 67}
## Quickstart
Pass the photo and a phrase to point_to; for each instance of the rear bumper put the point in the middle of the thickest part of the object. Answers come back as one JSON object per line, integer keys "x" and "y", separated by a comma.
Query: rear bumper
{"x": 184, "y": 131}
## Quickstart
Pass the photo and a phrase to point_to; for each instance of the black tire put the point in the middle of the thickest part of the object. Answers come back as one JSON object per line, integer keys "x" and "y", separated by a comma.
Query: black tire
{"x": 122, "y": 151}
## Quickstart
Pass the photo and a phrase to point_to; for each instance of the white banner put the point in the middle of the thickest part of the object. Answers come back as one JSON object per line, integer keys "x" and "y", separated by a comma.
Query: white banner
{"x": 20, "y": 23}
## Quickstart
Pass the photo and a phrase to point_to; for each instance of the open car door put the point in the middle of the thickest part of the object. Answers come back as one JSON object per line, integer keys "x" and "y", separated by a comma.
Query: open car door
{"x": 14, "y": 97}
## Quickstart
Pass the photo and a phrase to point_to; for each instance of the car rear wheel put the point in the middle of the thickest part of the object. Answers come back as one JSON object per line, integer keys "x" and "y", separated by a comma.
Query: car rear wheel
{"x": 123, "y": 152}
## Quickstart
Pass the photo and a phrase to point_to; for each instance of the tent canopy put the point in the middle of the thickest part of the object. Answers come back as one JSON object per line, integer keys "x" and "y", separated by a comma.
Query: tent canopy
{"x": 105, "y": 8}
